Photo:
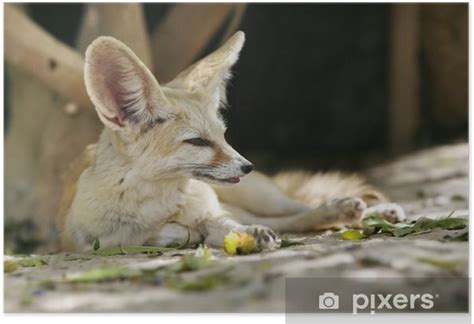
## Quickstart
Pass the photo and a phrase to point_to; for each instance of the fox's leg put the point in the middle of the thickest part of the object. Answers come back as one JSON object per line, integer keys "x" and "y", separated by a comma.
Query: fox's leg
{"x": 216, "y": 228}
{"x": 203, "y": 212}
{"x": 346, "y": 211}
{"x": 258, "y": 194}
{"x": 211, "y": 232}
{"x": 175, "y": 234}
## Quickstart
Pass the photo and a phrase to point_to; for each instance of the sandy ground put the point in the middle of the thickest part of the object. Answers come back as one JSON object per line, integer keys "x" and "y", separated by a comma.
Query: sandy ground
{"x": 432, "y": 183}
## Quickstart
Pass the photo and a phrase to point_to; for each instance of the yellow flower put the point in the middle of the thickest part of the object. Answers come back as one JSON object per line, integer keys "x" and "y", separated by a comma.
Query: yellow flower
{"x": 352, "y": 235}
{"x": 239, "y": 243}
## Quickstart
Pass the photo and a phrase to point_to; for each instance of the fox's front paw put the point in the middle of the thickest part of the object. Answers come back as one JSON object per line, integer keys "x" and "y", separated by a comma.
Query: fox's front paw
{"x": 264, "y": 236}
{"x": 350, "y": 210}
{"x": 391, "y": 212}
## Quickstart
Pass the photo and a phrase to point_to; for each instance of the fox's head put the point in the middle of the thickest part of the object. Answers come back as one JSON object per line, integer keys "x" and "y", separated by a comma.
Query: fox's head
{"x": 172, "y": 130}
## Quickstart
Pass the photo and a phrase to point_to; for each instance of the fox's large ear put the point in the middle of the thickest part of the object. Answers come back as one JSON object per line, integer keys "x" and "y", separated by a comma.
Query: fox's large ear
{"x": 123, "y": 90}
{"x": 213, "y": 71}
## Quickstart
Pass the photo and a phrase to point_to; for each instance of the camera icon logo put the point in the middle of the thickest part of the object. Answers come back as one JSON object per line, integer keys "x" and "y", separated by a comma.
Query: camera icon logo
{"x": 328, "y": 300}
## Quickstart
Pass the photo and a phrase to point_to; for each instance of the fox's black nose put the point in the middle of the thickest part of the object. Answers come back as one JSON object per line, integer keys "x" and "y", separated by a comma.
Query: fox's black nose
{"x": 247, "y": 168}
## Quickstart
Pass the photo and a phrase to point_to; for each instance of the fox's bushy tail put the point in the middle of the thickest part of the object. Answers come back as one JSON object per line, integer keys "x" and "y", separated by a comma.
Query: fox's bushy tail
{"x": 314, "y": 189}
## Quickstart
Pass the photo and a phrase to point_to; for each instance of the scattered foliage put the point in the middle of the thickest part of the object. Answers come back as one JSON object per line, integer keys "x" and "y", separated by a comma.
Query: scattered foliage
{"x": 120, "y": 250}
{"x": 31, "y": 262}
{"x": 196, "y": 272}
{"x": 374, "y": 224}
{"x": 13, "y": 264}
{"x": 426, "y": 224}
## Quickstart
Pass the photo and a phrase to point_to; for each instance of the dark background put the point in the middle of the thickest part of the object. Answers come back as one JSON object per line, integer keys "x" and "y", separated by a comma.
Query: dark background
{"x": 312, "y": 81}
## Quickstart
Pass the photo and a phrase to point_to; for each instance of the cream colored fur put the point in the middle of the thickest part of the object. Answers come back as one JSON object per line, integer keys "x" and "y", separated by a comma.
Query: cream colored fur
{"x": 163, "y": 173}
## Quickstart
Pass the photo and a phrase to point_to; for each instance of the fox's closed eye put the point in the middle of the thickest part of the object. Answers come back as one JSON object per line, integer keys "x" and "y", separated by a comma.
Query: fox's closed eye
{"x": 198, "y": 141}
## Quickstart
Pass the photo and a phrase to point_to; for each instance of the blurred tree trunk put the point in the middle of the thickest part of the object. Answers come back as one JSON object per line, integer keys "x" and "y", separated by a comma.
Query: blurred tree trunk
{"x": 445, "y": 48}
{"x": 31, "y": 103}
{"x": 404, "y": 83}
{"x": 183, "y": 34}
{"x": 26, "y": 96}
{"x": 124, "y": 21}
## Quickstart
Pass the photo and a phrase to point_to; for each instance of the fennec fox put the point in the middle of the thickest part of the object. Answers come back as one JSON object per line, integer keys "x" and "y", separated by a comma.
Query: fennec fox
{"x": 162, "y": 172}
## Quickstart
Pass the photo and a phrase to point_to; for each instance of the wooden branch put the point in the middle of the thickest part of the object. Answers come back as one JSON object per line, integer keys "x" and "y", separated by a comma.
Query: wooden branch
{"x": 234, "y": 23}
{"x": 404, "y": 87}
{"x": 183, "y": 34}
{"x": 124, "y": 21}
{"x": 33, "y": 50}
{"x": 88, "y": 28}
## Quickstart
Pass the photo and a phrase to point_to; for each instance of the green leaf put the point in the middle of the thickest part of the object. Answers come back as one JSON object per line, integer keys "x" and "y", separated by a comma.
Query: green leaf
{"x": 105, "y": 274}
{"x": 463, "y": 237}
{"x": 440, "y": 263}
{"x": 352, "y": 235}
{"x": 458, "y": 198}
{"x": 368, "y": 231}
{"x": 405, "y": 231}
{"x": 31, "y": 262}
{"x": 24, "y": 262}
{"x": 375, "y": 221}
{"x": 287, "y": 243}
{"x": 120, "y": 250}
{"x": 96, "y": 244}
{"x": 201, "y": 284}
{"x": 192, "y": 262}
{"x": 449, "y": 223}
{"x": 427, "y": 224}
{"x": 9, "y": 266}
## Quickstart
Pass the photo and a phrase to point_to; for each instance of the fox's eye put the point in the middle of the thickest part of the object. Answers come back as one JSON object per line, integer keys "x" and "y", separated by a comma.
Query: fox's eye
{"x": 199, "y": 142}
